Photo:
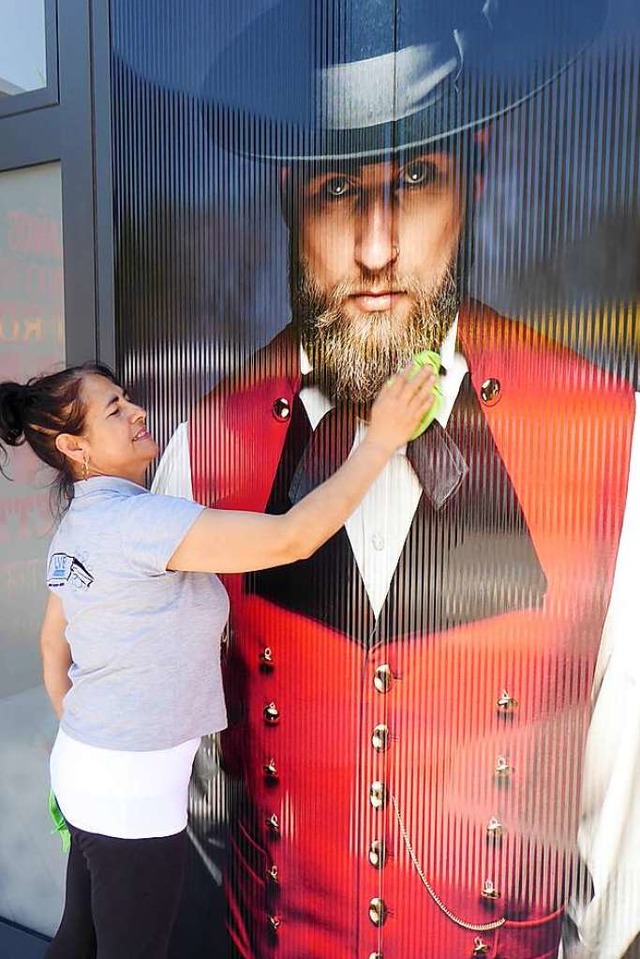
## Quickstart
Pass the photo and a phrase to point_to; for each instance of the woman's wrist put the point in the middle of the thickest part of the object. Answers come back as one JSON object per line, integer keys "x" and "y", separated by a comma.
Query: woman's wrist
{"x": 379, "y": 446}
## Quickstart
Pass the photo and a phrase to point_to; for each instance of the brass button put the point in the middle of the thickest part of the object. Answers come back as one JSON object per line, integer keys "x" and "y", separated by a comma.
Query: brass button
{"x": 503, "y": 768}
{"x": 281, "y": 409}
{"x": 495, "y": 829}
{"x": 382, "y": 678}
{"x": 375, "y": 955}
{"x": 377, "y": 854}
{"x": 274, "y": 922}
{"x": 271, "y": 714}
{"x": 489, "y": 890}
{"x": 378, "y": 795}
{"x": 378, "y": 911}
{"x": 272, "y": 874}
{"x": 480, "y": 947}
{"x": 273, "y": 825}
{"x": 380, "y": 738}
{"x": 490, "y": 391}
{"x": 506, "y": 704}
{"x": 266, "y": 658}
{"x": 270, "y": 770}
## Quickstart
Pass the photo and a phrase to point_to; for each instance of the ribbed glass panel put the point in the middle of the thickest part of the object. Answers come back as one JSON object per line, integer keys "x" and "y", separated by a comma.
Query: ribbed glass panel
{"x": 405, "y": 771}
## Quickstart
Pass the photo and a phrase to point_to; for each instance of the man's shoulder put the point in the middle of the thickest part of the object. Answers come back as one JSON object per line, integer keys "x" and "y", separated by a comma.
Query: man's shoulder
{"x": 536, "y": 353}
{"x": 273, "y": 368}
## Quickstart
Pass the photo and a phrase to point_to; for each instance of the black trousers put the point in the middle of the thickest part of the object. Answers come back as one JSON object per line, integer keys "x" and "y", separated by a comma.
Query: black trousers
{"x": 122, "y": 897}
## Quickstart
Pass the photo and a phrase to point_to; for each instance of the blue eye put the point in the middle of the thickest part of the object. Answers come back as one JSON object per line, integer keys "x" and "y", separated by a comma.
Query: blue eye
{"x": 417, "y": 173}
{"x": 337, "y": 186}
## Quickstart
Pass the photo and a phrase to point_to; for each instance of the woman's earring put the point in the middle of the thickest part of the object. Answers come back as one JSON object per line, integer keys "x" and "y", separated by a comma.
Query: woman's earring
{"x": 85, "y": 467}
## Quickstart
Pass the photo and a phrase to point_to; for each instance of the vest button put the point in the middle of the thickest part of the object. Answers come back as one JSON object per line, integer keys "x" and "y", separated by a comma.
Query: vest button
{"x": 375, "y": 955}
{"x": 495, "y": 829}
{"x": 273, "y": 825}
{"x": 489, "y": 890}
{"x": 270, "y": 770}
{"x": 271, "y": 714}
{"x": 378, "y": 795}
{"x": 480, "y": 947}
{"x": 272, "y": 874}
{"x": 378, "y": 911}
{"x": 507, "y": 705}
{"x": 274, "y": 922}
{"x": 490, "y": 391}
{"x": 377, "y": 854}
{"x": 383, "y": 678}
{"x": 266, "y": 658}
{"x": 281, "y": 409}
{"x": 380, "y": 738}
{"x": 503, "y": 769}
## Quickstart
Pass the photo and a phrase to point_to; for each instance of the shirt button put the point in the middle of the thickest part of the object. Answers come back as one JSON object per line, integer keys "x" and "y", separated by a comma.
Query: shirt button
{"x": 377, "y": 541}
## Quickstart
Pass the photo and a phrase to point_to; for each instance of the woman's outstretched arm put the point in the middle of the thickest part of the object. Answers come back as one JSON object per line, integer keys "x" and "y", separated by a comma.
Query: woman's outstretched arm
{"x": 222, "y": 541}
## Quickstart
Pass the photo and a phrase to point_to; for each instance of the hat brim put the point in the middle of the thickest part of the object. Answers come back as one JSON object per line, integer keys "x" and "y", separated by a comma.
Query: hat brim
{"x": 286, "y": 91}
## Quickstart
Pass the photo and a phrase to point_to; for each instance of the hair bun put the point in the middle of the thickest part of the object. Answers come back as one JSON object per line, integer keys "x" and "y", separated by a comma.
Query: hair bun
{"x": 13, "y": 400}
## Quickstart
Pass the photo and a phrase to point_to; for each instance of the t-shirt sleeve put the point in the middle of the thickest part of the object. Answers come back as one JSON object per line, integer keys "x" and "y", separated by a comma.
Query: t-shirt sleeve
{"x": 153, "y": 528}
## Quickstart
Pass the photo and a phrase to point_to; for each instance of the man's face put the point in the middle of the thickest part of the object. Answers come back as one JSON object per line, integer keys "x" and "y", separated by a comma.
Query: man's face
{"x": 374, "y": 252}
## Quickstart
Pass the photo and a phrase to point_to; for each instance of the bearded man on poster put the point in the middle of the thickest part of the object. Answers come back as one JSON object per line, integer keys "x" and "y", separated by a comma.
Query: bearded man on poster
{"x": 408, "y": 708}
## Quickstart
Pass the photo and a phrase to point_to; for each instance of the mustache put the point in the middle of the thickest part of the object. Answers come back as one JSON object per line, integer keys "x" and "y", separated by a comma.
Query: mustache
{"x": 381, "y": 283}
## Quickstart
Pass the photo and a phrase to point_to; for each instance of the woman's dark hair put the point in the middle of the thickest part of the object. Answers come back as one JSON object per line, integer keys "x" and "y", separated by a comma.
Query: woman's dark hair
{"x": 38, "y": 411}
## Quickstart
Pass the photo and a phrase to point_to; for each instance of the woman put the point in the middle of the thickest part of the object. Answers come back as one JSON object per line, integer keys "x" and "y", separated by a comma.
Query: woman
{"x": 130, "y": 638}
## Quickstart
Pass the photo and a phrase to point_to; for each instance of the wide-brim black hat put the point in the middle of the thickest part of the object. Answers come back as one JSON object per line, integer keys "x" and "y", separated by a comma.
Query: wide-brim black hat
{"x": 337, "y": 79}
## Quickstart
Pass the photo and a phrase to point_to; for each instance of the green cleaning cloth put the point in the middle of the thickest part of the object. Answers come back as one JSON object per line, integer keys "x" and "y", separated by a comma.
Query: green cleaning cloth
{"x": 59, "y": 822}
{"x": 428, "y": 358}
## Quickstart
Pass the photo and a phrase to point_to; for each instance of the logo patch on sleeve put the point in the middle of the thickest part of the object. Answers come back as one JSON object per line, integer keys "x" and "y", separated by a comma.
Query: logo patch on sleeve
{"x": 65, "y": 569}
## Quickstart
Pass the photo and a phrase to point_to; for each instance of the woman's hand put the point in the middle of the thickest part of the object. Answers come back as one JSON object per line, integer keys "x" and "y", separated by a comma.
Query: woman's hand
{"x": 400, "y": 407}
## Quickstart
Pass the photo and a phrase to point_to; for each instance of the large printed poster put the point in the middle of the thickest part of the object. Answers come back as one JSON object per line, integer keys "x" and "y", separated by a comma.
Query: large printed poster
{"x": 433, "y": 721}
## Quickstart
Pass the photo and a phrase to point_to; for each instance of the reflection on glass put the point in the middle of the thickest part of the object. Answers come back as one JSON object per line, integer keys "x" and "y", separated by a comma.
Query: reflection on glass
{"x": 31, "y": 340}
{"x": 23, "y": 61}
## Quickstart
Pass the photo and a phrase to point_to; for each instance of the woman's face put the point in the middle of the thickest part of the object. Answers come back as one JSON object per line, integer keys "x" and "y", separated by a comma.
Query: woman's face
{"x": 115, "y": 441}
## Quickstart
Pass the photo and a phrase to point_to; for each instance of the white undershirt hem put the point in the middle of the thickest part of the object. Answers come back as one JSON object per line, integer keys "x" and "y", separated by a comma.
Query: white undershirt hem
{"x": 123, "y": 794}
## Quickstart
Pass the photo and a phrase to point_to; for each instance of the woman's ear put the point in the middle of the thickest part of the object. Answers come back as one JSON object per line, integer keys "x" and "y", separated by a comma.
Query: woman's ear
{"x": 71, "y": 447}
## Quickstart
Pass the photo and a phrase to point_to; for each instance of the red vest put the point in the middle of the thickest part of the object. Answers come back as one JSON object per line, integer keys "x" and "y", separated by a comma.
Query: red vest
{"x": 420, "y": 799}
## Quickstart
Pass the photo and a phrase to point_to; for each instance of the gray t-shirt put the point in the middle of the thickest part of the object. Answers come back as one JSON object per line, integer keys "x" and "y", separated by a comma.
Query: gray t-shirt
{"x": 145, "y": 642}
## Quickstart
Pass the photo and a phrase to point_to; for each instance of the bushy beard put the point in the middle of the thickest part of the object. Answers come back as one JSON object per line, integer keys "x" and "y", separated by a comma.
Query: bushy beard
{"x": 353, "y": 356}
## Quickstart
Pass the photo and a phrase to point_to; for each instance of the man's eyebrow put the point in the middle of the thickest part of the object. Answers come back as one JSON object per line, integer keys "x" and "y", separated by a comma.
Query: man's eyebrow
{"x": 114, "y": 399}
{"x": 330, "y": 168}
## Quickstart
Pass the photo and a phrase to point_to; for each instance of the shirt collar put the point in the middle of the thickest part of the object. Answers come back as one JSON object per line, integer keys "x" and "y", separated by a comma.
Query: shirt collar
{"x": 452, "y": 360}
{"x": 106, "y": 484}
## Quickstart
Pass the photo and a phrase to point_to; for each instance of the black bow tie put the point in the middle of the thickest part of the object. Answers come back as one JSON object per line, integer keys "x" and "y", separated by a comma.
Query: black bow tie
{"x": 435, "y": 458}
